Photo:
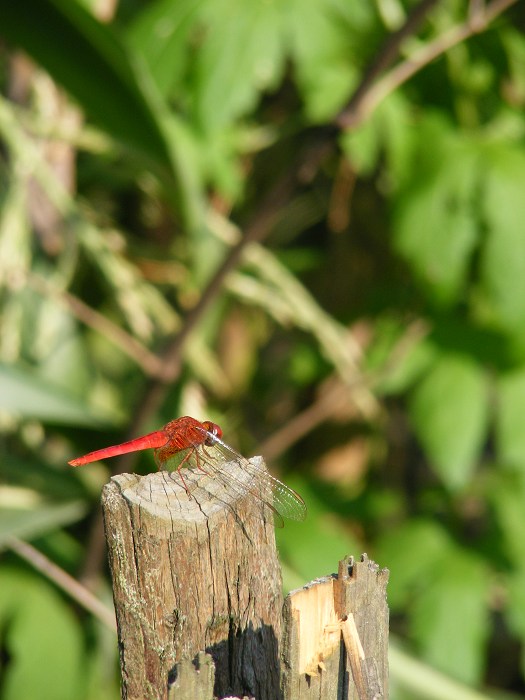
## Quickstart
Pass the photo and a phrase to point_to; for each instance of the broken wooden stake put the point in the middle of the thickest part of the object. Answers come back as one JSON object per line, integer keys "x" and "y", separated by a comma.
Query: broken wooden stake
{"x": 335, "y": 635}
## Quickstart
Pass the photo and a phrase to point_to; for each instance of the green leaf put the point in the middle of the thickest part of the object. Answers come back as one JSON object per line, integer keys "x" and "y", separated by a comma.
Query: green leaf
{"x": 449, "y": 410}
{"x": 436, "y": 227}
{"x": 36, "y": 475}
{"x": 514, "y": 45}
{"x": 103, "y": 683}
{"x": 112, "y": 86}
{"x": 412, "y": 552}
{"x": 506, "y": 496}
{"x": 28, "y": 524}
{"x": 386, "y": 133}
{"x": 242, "y": 55}
{"x": 397, "y": 362}
{"x": 312, "y": 548}
{"x": 515, "y": 608}
{"x": 503, "y": 259}
{"x": 160, "y": 33}
{"x": 42, "y": 639}
{"x": 510, "y": 436}
{"x": 320, "y": 40}
{"x": 24, "y": 393}
{"x": 450, "y": 617}
{"x": 87, "y": 58}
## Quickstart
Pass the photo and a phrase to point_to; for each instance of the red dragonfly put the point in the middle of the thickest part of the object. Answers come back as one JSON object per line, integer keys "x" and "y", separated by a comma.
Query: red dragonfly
{"x": 187, "y": 443}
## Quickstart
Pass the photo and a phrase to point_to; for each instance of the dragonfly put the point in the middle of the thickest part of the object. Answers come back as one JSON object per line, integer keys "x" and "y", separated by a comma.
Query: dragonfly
{"x": 186, "y": 443}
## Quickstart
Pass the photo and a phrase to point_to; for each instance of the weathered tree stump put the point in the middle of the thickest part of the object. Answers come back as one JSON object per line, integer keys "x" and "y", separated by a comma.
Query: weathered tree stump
{"x": 190, "y": 573}
{"x": 193, "y": 574}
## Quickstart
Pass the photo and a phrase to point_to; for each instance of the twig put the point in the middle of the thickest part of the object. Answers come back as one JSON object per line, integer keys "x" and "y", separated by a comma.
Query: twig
{"x": 64, "y": 581}
{"x": 358, "y": 110}
{"x": 335, "y": 396}
{"x": 330, "y": 402}
{"x": 260, "y": 227}
{"x": 383, "y": 58}
{"x": 364, "y": 100}
{"x": 148, "y": 361}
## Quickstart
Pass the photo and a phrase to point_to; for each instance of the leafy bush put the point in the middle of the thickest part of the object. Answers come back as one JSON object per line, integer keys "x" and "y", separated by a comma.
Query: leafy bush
{"x": 302, "y": 220}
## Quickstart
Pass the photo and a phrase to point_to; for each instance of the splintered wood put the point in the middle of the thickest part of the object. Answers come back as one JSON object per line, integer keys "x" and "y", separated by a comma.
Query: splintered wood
{"x": 336, "y": 635}
{"x": 319, "y": 630}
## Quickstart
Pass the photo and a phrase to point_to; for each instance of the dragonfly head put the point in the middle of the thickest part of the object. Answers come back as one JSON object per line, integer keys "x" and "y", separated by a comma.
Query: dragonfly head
{"x": 215, "y": 431}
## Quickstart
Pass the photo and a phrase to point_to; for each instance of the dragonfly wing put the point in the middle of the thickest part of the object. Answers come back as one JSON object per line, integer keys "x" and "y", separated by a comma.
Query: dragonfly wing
{"x": 204, "y": 474}
{"x": 259, "y": 483}
{"x": 211, "y": 456}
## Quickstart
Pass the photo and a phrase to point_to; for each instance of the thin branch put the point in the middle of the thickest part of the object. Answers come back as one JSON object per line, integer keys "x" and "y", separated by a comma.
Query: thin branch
{"x": 333, "y": 398}
{"x": 64, "y": 581}
{"x": 358, "y": 107}
{"x": 150, "y": 364}
{"x": 364, "y": 100}
{"x": 383, "y": 58}
{"x": 358, "y": 110}
{"x": 259, "y": 228}
{"x": 337, "y": 395}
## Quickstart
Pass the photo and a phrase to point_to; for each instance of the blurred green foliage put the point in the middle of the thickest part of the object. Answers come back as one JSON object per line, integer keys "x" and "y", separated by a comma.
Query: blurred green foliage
{"x": 371, "y": 337}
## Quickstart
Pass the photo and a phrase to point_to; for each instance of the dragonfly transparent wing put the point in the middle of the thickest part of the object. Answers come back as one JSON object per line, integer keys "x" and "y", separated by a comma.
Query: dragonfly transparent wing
{"x": 213, "y": 460}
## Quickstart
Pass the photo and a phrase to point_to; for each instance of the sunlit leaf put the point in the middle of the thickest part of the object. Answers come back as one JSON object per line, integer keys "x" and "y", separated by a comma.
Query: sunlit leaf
{"x": 102, "y": 681}
{"x": 506, "y": 496}
{"x": 449, "y": 410}
{"x": 436, "y": 226}
{"x": 515, "y": 609}
{"x": 413, "y": 552}
{"x": 30, "y": 523}
{"x": 450, "y": 617}
{"x": 23, "y": 393}
{"x": 385, "y": 132}
{"x": 321, "y": 39}
{"x": 509, "y": 418}
{"x": 503, "y": 262}
{"x": 159, "y": 33}
{"x": 243, "y": 54}
{"x": 399, "y": 360}
{"x": 515, "y": 48}
{"x": 312, "y": 548}
{"x": 42, "y": 637}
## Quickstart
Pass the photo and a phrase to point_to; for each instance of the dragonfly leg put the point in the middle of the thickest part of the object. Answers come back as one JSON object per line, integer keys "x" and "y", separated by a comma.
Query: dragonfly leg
{"x": 184, "y": 482}
{"x": 181, "y": 465}
{"x": 199, "y": 467}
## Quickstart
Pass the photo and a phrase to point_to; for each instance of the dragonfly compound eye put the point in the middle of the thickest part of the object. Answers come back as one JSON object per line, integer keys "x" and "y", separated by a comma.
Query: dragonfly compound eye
{"x": 214, "y": 430}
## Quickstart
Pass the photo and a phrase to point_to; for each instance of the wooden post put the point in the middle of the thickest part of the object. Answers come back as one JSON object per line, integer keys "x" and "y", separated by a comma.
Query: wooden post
{"x": 193, "y": 573}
